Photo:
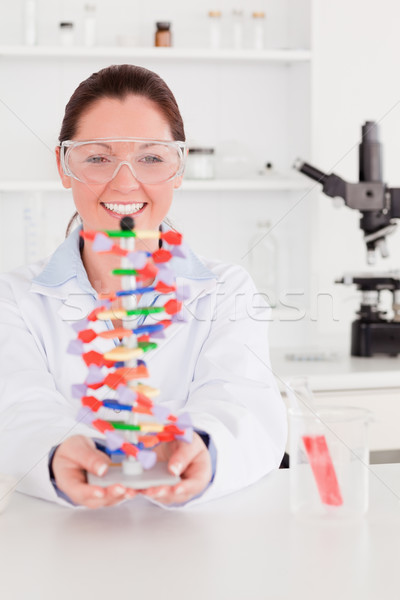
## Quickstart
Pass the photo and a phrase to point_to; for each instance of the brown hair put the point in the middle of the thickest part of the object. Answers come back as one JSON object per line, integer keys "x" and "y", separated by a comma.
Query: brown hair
{"x": 118, "y": 81}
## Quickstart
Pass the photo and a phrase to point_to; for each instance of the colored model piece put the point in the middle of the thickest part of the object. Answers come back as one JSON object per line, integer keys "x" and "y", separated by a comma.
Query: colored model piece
{"x": 114, "y": 400}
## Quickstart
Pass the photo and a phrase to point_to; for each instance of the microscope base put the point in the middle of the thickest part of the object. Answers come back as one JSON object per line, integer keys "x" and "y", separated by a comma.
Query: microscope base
{"x": 368, "y": 339}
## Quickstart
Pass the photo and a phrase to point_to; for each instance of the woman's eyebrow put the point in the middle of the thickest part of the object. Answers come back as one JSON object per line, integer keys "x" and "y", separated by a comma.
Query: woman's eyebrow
{"x": 111, "y": 147}
{"x": 102, "y": 144}
{"x": 148, "y": 144}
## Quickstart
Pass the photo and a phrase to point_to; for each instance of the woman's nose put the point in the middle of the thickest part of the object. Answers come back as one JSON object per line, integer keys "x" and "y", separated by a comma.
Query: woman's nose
{"x": 124, "y": 178}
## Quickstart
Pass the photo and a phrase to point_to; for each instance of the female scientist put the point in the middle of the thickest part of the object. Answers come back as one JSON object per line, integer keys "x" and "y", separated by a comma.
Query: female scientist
{"x": 215, "y": 366}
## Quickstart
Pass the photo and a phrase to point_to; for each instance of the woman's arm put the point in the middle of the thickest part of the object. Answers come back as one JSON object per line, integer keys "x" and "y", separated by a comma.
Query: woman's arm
{"x": 234, "y": 396}
{"x": 34, "y": 416}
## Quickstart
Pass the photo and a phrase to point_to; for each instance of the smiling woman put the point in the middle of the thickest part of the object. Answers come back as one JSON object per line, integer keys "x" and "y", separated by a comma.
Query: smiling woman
{"x": 109, "y": 105}
{"x": 122, "y": 153}
{"x": 119, "y": 170}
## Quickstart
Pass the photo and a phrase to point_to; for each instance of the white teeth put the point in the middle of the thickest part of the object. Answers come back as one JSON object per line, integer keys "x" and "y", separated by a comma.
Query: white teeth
{"x": 124, "y": 209}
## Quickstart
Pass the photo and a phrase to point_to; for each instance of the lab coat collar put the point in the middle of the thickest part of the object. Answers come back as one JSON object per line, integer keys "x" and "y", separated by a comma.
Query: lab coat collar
{"x": 65, "y": 266}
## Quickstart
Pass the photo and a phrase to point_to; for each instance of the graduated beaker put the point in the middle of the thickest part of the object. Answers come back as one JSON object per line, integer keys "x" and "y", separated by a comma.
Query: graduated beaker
{"x": 329, "y": 461}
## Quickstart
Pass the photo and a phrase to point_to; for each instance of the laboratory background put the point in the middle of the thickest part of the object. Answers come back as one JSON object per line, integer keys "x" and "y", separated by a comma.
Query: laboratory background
{"x": 265, "y": 87}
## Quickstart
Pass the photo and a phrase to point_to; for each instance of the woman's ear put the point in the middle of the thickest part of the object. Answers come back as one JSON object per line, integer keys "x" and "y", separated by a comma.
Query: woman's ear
{"x": 178, "y": 182}
{"x": 65, "y": 179}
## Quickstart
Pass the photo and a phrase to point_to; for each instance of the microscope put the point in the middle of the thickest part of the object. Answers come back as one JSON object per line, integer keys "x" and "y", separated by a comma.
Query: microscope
{"x": 372, "y": 332}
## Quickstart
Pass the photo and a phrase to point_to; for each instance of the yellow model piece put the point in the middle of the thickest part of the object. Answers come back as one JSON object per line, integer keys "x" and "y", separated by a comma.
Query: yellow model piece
{"x": 122, "y": 353}
{"x": 148, "y": 391}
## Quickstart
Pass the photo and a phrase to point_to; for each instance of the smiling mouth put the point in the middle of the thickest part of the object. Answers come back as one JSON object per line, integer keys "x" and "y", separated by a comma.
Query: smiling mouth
{"x": 124, "y": 209}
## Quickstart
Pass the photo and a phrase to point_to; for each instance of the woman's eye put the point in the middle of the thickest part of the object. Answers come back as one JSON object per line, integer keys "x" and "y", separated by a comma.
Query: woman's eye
{"x": 97, "y": 160}
{"x": 150, "y": 159}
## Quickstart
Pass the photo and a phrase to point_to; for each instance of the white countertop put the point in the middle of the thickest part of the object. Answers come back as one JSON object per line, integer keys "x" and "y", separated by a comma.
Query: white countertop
{"x": 333, "y": 368}
{"x": 246, "y": 546}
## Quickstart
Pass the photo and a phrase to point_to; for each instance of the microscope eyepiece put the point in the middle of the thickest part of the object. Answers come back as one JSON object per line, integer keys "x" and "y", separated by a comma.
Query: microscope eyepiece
{"x": 310, "y": 171}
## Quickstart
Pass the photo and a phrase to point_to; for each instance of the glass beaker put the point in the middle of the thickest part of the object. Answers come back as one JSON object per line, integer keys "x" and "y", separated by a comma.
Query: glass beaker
{"x": 329, "y": 461}
{"x": 263, "y": 261}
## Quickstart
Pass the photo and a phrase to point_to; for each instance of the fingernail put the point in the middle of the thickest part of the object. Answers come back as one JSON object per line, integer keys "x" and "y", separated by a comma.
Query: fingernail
{"x": 176, "y": 469}
{"x": 118, "y": 490}
{"x": 179, "y": 490}
{"x": 160, "y": 494}
{"x": 101, "y": 470}
{"x": 98, "y": 493}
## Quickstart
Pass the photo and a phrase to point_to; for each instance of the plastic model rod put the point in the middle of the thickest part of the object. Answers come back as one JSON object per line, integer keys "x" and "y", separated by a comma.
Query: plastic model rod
{"x": 114, "y": 401}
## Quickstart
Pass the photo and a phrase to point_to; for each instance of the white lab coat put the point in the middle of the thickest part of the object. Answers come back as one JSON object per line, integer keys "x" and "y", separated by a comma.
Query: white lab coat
{"x": 214, "y": 366}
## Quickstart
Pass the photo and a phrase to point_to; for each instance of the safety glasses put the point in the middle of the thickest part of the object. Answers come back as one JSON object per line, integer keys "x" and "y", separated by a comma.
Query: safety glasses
{"x": 98, "y": 161}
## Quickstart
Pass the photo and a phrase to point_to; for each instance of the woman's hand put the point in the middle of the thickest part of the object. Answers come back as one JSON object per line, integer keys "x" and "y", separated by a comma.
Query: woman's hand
{"x": 79, "y": 454}
{"x": 192, "y": 462}
{"x": 71, "y": 460}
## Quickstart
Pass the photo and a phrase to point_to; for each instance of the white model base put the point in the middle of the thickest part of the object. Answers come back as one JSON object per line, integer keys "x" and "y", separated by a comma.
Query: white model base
{"x": 131, "y": 466}
{"x": 157, "y": 475}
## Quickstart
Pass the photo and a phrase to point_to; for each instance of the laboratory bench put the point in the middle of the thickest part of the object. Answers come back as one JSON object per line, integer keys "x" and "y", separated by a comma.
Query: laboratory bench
{"x": 245, "y": 546}
{"x": 339, "y": 379}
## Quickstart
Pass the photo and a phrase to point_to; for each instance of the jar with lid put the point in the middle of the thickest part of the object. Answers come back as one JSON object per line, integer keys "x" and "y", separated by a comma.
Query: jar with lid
{"x": 67, "y": 34}
{"x": 214, "y": 17}
{"x": 163, "y": 35}
{"x": 200, "y": 163}
{"x": 258, "y": 30}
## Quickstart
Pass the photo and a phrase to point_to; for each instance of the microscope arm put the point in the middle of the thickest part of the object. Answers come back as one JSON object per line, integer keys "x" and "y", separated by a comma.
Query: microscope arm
{"x": 378, "y": 206}
{"x": 332, "y": 185}
{"x": 363, "y": 196}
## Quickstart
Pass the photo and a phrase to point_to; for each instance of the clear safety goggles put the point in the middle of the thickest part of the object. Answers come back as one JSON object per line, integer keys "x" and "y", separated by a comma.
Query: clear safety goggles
{"x": 98, "y": 161}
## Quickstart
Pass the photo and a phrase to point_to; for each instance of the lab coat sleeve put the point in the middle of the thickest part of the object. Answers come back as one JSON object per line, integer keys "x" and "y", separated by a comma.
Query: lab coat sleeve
{"x": 234, "y": 396}
{"x": 34, "y": 416}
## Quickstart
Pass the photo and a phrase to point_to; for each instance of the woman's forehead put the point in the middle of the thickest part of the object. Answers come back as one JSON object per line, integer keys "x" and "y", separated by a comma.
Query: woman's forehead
{"x": 133, "y": 116}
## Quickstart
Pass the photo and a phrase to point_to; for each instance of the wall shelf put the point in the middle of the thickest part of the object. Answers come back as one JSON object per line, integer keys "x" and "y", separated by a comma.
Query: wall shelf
{"x": 267, "y": 183}
{"x": 182, "y": 54}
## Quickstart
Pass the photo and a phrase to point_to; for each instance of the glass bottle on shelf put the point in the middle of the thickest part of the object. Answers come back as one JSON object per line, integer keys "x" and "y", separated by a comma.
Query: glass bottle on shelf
{"x": 163, "y": 35}
{"x": 214, "y": 17}
{"x": 237, "y": 29}
{"x": 30, "y": 33}
{"x": 263, "y": 261}
{"x": 89, "y": 25}
{"x": 258, "y": 30}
